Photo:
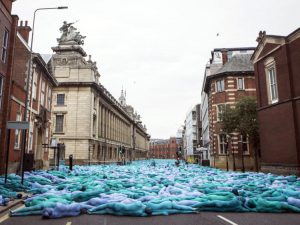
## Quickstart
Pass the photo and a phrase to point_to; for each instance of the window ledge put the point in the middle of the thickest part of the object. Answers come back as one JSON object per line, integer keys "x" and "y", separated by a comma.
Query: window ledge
{"x": 55, "y": 132}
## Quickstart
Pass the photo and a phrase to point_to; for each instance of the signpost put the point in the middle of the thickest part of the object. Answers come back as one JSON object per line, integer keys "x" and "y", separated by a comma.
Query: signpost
{"x": 14, "y": 125}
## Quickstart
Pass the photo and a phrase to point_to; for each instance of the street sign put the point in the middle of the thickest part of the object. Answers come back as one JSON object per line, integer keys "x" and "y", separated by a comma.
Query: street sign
{"x": 17, "y": 125}
{"x": 53, "y": 142}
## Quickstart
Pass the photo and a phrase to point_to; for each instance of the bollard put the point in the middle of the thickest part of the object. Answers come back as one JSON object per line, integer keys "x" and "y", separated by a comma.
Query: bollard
{"x": 70, "y": 162}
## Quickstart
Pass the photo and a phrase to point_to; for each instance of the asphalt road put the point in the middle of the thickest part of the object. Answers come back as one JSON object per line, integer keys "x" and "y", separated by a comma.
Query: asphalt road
{"x": 203, "y": 218}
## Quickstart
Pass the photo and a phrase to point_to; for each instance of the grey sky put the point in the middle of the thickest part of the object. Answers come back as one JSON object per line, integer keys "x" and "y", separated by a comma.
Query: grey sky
{"x": 157, "y": 49}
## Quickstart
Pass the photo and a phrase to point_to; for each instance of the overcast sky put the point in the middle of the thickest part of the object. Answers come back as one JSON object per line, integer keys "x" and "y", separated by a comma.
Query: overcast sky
{"x": 157, "y": 49}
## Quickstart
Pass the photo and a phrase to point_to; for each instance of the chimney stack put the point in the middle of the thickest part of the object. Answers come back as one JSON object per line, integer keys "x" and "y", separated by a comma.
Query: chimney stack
{"x": 24, "y": 30}
{"x": 224, "y": 56}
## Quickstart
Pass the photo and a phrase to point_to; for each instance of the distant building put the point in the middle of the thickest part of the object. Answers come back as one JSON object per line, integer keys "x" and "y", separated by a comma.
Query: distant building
{"x": 190, "y": 135}
{"x": 277, "y": 69}
{"x": 164, "y": 148}
{"x": 228, "y": 77}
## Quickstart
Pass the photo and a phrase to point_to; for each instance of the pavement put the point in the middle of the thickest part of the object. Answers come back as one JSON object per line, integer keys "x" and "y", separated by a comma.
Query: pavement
{"x": 202, "y": 218}
{"x": 13, "y": 203}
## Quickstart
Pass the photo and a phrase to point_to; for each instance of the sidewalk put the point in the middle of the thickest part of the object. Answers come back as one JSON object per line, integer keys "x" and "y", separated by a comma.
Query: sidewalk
{"x": 13, "y": 203}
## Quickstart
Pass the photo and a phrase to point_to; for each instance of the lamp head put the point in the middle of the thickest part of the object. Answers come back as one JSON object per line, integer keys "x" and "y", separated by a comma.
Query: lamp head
{"x": 62, "y": 7}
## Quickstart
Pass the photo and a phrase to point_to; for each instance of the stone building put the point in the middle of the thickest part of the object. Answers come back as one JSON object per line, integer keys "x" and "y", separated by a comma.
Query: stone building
{"x": 86, "y": 117}
{"x": 228, "y": 77}
{"x": 276, "y": 63}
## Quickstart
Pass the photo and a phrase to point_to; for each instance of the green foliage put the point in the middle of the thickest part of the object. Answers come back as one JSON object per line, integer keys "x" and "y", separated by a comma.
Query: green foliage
{"x": 247, "y": 118}
{"x": 228, "y": 119}
{"x": 241, "y": 118}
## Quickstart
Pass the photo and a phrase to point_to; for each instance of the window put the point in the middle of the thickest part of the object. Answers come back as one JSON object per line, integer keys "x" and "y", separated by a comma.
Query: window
{"x": 59, "y": 123}
{"x": 220, "y": 110}
{"x": 245, "y": 144}
{"x": 49, "y": 97}
{"x": 1, "y": 90}
{"x": 46, "y": 136}
{"x": 222, "y": 144}
{"x": 17, "y": 133}
{"x": 220, "y": 85}
{"x": 4, "y": 45}
{"x": 34, "y": 85}
{"x": 240, "y": 84}
{"x": 60, "y": 99}
{"x": 272, "y": 83}
{"x": 43, "y": 93}
{"x": 31, "y": 134}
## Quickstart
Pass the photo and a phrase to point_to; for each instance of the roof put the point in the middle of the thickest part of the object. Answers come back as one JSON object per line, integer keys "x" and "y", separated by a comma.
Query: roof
{"x": 235, "y": 49}
{"x": 46, "y": 57}
{"x": 238, "y": 63}
{"x": 279, "y": 40}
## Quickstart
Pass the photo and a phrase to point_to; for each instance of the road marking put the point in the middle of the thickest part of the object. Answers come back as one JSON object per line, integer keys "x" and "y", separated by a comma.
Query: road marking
{"x": 3, "y": 218}
{"x": 69, "y": 223}
{"x": 227, "y": 220}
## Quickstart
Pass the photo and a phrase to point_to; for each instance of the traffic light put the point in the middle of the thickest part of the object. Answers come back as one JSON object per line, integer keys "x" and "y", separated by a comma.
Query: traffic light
{"x": 123, "y": 149}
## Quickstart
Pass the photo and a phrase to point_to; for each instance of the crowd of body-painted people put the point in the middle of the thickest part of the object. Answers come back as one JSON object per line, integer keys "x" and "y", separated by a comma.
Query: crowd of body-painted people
{"x": 153, "y": 187}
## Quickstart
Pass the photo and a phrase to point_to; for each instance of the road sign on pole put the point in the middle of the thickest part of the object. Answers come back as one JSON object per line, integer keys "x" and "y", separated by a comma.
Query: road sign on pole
{"x": 17, "y": 125}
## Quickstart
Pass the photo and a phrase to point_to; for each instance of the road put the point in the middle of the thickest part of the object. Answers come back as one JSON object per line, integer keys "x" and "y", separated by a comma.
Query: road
{"x": 203, "y": 218}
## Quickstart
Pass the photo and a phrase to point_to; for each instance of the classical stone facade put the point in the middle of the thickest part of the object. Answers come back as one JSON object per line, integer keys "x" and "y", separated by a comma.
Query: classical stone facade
{"x": 86, "y": 117}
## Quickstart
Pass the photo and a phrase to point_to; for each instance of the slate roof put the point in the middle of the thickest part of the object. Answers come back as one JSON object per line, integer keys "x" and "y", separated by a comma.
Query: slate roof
{"x": 46, "y": 57}
{"x": 238, "y": 63}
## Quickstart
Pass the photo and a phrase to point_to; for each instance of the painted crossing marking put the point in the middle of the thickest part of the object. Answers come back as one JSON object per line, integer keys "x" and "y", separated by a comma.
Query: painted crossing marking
{"x": 3, "y": 218}
{"x": 227, "y": 220}
{"x": 69, "y": 223}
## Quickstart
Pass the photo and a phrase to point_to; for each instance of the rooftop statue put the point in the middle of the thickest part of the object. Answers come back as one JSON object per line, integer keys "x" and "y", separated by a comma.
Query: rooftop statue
{"x": 70, "y": 35}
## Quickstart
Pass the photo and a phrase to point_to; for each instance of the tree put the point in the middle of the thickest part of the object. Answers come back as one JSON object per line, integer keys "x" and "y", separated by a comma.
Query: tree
{"x": 229, "y": 122}
{"x": 247, "y": 122}
{"x": 229, "y": 119}
{"x": 243, "y": 119}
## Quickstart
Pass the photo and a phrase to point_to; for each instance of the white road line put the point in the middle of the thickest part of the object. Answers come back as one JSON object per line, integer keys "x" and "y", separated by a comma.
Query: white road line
{"x": 3, "y": 218}
{"x": 69, "y": 223}
{"x": 227, "y": 220}
{"x": 6, "y": 216}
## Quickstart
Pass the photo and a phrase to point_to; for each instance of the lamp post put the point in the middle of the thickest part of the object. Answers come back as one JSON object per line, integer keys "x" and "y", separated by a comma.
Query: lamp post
{"x": 27, "y": 88}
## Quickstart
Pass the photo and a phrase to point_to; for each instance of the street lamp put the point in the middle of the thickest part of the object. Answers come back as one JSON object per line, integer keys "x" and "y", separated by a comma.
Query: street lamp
{"x": 27, "y": 88}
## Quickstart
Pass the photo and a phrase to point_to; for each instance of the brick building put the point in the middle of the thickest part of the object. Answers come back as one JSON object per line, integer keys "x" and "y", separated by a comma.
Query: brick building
{"x": 8, "y": 32}
{"x": 39, "y": 104}
{"x": 228, "y": 77}
{"x": 276, "y": 62}
{"x": 164, "y": 148}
